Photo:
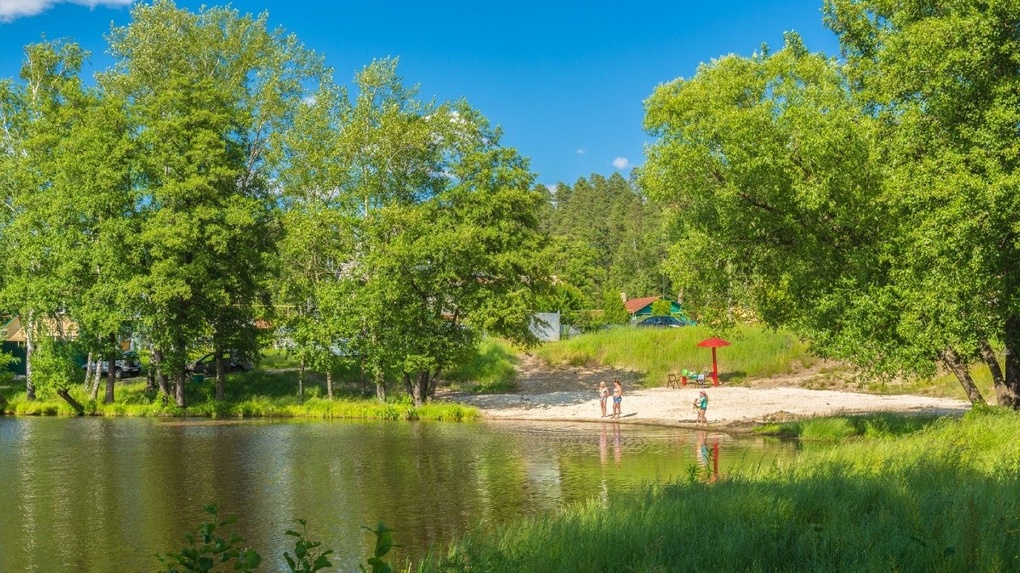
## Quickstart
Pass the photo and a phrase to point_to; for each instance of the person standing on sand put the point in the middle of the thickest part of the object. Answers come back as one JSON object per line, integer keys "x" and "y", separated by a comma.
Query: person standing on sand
{"x": 617, "y": 398}
{"x": 603, "y": 396}
{"x": 700, "y": 406}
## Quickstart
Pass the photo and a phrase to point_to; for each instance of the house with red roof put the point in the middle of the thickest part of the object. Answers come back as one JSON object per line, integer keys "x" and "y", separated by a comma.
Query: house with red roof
{"x": 642, "y": 307}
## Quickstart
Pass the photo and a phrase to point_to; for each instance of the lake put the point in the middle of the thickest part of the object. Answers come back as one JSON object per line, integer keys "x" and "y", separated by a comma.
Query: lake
{"x": 100, "y": 494}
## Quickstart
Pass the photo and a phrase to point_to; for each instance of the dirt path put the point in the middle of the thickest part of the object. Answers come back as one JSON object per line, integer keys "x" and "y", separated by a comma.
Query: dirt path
{"x": 569, "y": 394}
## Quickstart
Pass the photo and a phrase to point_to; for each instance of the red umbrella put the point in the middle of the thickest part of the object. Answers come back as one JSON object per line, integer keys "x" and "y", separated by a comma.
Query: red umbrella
{"x": 713, "y": 343}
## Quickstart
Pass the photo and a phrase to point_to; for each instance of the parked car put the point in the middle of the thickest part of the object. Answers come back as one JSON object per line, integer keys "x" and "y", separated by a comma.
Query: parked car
{"x": 663, "y": 322}
{"x": 207, "y": 364}
{"x": 126, "y": 366}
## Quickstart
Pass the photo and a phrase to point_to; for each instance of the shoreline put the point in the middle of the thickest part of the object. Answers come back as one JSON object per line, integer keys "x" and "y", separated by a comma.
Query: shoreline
{"x": 731, "y": 409}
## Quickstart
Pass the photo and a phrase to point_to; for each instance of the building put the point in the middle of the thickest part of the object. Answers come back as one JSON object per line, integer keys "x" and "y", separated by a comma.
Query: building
{"x": 642, "y": 307}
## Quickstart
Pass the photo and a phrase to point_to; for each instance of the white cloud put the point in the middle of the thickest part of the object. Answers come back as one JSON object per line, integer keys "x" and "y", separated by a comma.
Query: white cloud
{"x": 14, "y": 9}
{"x": 621, "y": 163}
{"x": 580, "y": 151}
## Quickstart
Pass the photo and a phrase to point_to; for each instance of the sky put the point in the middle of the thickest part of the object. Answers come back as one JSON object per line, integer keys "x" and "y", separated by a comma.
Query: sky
{"x": 566, "y": 80}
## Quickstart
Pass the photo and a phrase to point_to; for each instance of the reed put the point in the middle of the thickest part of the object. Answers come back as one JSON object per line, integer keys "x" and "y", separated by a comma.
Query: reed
{"x": 939, "y": 498}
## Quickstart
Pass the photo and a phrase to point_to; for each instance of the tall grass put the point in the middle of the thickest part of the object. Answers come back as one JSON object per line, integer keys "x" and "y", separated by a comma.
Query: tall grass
{"x": 247, "y": 395}
{"x": 754, "y": 352}
{"x": 490, "y": 368}
{"x": 942, "y": 498}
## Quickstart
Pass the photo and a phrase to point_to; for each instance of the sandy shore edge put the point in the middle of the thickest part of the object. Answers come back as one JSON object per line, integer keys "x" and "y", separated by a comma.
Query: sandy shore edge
{"x": 729, "y": 408}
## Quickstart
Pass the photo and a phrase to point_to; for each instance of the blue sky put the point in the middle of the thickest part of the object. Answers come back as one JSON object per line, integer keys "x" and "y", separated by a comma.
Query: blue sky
{"x": 565, "y": 80}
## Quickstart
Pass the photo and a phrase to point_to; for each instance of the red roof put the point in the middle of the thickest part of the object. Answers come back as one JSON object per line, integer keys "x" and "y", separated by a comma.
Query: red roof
{"x": 635, "y": 304}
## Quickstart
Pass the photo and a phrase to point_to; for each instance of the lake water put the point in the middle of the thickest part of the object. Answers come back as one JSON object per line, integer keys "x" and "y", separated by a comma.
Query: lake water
{"x": 97, "y": 494}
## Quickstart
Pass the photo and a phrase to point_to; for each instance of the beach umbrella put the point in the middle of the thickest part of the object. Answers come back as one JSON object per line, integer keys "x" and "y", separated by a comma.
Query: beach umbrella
{"x": 713, "y": 343}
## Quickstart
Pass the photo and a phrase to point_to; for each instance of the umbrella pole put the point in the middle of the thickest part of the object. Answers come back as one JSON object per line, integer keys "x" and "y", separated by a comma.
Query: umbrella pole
{"x": 715, "y": 369}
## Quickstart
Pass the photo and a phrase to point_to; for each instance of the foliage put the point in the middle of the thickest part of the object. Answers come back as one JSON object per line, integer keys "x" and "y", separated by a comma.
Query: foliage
{"x": 605, "y": 237}
{"x": 661, "y": 308}
{"x": 614, "y": 309}
{"x": 856, "y": 202}
{"x": 926, "y": 499}
{"x": 839, "y": 428}
{"x": 210, "y": 551}
{"x": 248, "y": 395}
{"x": 441, "y": 231}
{"x": 307, "y": 558}
{"x": 489, "y": 368}
{"x": 383, "y": 544}
{"x": 206, "y": 95}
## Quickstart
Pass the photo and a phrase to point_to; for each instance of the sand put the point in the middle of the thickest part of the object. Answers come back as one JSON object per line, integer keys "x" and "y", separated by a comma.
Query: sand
{"x": 547, "y": 394}
{"x": 733, "y": 407}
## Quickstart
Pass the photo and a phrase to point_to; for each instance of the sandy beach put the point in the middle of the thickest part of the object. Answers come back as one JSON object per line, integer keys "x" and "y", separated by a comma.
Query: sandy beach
{"x": 570, "y": 395}
{"x": 728, "y": 407}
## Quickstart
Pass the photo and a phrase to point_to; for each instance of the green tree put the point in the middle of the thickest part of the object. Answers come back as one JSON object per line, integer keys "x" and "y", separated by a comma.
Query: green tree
{"x": 614, "y": 310}
{"x": 442, "y": 226}
{"x": 942, "y": 78}
{"x": 206, "y": 94}
{"x": 36, "y": 117}
{"x": 766, "y": 169}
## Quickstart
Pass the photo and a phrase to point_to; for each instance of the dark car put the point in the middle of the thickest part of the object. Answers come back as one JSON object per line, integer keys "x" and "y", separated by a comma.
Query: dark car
{"x": 207, "y": 364}
{"x": 126, "y": 366}
{"x": 663, "y": 322}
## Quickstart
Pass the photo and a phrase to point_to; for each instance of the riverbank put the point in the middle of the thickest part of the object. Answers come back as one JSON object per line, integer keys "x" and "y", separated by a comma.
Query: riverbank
{"x": 569, "y": 394}
{"x": 730, "y": 408}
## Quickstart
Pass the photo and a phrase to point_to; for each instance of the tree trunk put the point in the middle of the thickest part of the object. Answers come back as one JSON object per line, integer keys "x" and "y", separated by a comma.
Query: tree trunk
{"x": 29, "y": 349}
{"x": 111, "y": 373}
{"x": 220, "y": 376}
{"x": 111, "y": 378}
{"x": 94, "y": 383}
{"x": 78, "y": 408}
{"x": 423, "y": 387}
{"x": 329, "y": 383}
{"x": 1011, "y": 340}
{"x": 179, "y": 389}
{"x": 150, "y": 372}
{"x": 161, "y": 375}
{"x": 952, "y": 361}
{"x": 301, "y": 381}
{"x": 362, "y": 379}
{"x": 3, "y": 402}
{"x": 88, "y": 371}
{"x": 1002, "y": 392}
{"x": 435, "y": 382}
{"x": 380, "y": 383}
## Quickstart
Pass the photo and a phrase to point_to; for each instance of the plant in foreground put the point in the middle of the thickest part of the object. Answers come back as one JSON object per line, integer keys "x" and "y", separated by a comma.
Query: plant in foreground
{"x": 210, "y": 551}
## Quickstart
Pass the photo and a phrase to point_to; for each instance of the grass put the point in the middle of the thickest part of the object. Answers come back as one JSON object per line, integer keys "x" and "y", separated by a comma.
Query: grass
{"x": 840, "y": 428}
{"x": 931, "y": 496}
{"x": 490, "y": 369}
{"x": 258, "y": 394}
{"x": 755, "y": 352}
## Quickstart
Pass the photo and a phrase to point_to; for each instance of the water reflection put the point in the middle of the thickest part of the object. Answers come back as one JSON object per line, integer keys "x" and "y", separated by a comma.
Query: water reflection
{"x": 104, "y": 495}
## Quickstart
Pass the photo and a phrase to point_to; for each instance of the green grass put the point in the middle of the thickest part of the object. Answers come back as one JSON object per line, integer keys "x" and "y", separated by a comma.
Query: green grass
{"x": 839, "y": 428}
{"x": 489, "y": 369}
{"x": 251, "y": 394}
{"x": 754, "y": 353}
{"x": 940, "y": 497}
